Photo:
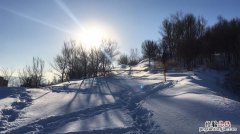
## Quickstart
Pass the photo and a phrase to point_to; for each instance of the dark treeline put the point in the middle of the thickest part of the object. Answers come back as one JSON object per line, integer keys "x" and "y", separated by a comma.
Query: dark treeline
{"x": 223, "y": 38}
{"x": 182, "y": 37}
{"x": 76, "y": 62}
{"x": 188, "y": 41}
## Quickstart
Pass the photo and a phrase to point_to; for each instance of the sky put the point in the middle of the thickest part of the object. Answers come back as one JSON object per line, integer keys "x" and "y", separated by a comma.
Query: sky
{"x": 39, "y": 27}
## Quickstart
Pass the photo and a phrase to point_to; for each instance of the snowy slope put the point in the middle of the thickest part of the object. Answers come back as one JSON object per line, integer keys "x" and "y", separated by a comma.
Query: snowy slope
{"x": 127, "y": 102}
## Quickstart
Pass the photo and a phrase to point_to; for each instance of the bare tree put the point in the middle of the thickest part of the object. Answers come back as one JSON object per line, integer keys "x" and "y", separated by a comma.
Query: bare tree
{"x": 182, "y": 35}
{"x": 37, "y": 71}
{"x": 93, "y": 61}
{"x": 32, "y": 76}
{"x": 76, "y": 62}
{"x": 83, "y": 59}
{"x": 108, "y": 53}
{"x": 24, "y": 77}
{"x": 97, "y": 53}
{"x": 134, "y": 57}
{"x": 164, "y": 56}
{"x": 110, "y": 48}
{"x": 60, "y": 63}
{"x": 123, "y": 59}
{"x": 70, "y": 49}
{"x": 149, "y": 49}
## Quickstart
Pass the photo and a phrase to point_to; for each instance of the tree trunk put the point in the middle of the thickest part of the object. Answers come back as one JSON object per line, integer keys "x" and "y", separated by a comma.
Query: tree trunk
{"x": 164, "y": 72}
{"x": 103, "y": 67}
{"x": 149, "y": 62}
{"x": 62, "y": 77}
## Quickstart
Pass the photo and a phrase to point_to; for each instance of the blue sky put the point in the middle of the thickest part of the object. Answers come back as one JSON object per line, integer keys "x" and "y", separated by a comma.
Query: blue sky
{"x": 39, "y": 27}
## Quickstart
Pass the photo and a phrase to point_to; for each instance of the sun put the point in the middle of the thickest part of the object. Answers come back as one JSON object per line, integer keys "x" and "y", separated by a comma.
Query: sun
{"x": 91, "y": 36}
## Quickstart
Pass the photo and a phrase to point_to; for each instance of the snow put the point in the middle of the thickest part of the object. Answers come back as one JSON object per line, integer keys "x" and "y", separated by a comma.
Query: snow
{"x": 6, "y": 102}
{"x": 63, "y": 103}
{"x": 109, "y": 119}
{"x": 126, "y": 102}
{"x": 185, "y": 106}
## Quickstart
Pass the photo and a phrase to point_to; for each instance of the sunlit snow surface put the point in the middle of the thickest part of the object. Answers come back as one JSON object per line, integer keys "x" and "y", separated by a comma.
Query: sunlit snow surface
{"x": 127, "y": 102}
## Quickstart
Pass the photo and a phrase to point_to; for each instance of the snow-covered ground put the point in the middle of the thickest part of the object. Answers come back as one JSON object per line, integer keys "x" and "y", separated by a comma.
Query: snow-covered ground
{"x": 126, "y": 102}
{"x": 189, "y": 102}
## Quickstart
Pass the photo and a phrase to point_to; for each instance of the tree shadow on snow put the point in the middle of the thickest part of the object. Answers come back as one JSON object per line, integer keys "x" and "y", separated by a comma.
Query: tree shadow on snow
{"x": 96, "y": 93}
{"x": 213, "y": 84}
